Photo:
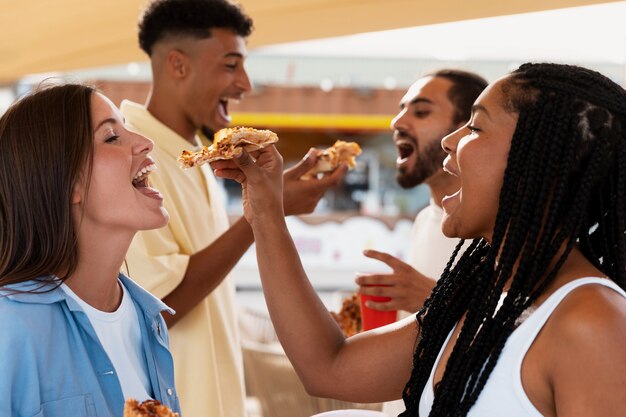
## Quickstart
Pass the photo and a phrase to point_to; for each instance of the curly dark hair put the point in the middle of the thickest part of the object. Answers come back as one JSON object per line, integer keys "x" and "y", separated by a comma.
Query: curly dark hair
{"x": 564, "y": 185}
{"x": 192, "y": 18}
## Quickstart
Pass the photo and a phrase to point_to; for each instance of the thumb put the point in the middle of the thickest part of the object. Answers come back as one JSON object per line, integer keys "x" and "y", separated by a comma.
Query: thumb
{"x": 304, "y": 165}
{"x": 246, "y": 163}
{"x": 336, "y": 176}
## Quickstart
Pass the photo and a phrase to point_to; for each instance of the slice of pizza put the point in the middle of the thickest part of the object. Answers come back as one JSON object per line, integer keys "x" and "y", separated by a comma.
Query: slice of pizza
{"x": 349, "y": 316}
{"x": 330, "y": 158}
{"x": 228, "y": 143}
{"x": 148, "y": 408}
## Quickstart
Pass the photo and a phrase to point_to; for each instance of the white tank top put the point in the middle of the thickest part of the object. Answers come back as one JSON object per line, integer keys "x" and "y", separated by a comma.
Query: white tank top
{"x": 503, "y": 393}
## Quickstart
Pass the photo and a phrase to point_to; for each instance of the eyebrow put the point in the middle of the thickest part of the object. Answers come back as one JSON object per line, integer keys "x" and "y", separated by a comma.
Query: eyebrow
{"x": 105, "y": 121}
{"x": 480, "y": 107}
{"x": 233, "y": 55}
{"x": 416, "y": 101}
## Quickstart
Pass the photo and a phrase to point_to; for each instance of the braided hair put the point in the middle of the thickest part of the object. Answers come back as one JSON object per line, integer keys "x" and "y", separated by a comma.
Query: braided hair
{"x": 564, "y": 185}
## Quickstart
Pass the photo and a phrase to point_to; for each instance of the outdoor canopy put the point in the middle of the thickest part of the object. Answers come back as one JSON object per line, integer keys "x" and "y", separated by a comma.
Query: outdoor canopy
{"x": 39, "y": 36}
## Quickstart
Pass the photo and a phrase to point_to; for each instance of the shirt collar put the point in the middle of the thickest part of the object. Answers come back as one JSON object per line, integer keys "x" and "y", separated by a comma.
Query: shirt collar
{"x": 46, "y": 291}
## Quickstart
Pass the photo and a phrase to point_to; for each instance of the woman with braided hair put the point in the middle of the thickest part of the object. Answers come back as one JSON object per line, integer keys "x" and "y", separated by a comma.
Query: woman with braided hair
{"x": 531, "y": 319}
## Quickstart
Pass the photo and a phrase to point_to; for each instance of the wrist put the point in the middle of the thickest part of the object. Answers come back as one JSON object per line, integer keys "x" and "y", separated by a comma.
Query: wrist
{"x": 268, "y": 226}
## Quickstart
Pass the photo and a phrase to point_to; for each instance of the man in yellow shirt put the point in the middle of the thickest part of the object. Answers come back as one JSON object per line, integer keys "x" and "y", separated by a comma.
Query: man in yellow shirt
{"x": 197, "y": 52}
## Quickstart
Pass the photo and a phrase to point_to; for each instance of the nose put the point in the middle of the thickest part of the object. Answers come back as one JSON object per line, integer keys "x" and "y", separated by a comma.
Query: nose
{"x": 399, "y": 122}
{"x": 243, "y": 81}
{"x": 142, "y": 144}
{"x": 450, "y": 142}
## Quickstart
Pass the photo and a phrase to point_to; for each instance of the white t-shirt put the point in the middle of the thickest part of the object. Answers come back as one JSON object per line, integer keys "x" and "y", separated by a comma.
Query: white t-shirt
{"x": 430, "y": 249}
{"x": 120, "y": 336}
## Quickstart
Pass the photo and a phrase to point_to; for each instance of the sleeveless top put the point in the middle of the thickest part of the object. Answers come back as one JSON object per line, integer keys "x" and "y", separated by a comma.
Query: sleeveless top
{"x": 503, "y": 393}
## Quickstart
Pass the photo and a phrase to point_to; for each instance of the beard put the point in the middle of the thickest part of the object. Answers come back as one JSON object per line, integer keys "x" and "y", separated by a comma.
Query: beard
{"x": 427, "y": 162}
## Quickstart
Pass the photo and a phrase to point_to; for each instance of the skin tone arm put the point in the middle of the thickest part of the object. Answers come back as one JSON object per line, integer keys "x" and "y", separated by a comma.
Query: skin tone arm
{"x": 221, "y": 256}
{"x": 355, "y": 369}
{"x": 407, "y": 288}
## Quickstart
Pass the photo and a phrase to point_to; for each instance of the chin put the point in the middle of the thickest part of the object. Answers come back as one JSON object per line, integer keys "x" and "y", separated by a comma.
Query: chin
{"x": 214, "y": 127}
{"x": 452, "y": 227}
{"x": 450, "y": 233}
{"x": 165, "y": 220}
{"x": 158, "y": 222}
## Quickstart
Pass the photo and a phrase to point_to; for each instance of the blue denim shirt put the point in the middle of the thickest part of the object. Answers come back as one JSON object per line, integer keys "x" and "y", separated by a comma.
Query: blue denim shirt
{"x": 53, "y": 365}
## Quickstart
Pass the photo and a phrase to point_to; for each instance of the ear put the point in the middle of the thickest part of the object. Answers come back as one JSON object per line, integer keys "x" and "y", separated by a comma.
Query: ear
{"x": 177, "y": 64}
{"x": 78, "y": 193}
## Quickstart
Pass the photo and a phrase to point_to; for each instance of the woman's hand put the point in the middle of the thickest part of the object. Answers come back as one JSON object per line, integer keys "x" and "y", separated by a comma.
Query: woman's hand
{"x": 261, "y": 177}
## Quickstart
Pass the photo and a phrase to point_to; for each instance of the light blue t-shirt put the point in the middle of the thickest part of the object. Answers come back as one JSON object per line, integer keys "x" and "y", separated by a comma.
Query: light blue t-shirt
{"x": 52, "y": 363}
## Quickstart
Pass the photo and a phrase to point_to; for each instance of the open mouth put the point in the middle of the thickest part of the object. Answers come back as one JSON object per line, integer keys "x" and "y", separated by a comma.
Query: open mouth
{"x": 223, "y": 110}
{"x": 405, "y": 149}
{"x": 140, "y": 180}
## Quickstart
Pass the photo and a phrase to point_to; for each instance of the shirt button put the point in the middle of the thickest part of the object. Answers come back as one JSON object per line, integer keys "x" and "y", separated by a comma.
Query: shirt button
{"x": 169, "y": 392}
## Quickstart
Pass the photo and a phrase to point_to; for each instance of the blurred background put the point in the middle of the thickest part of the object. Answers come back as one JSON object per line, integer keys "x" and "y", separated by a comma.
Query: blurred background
{"x": 322, "y": 71}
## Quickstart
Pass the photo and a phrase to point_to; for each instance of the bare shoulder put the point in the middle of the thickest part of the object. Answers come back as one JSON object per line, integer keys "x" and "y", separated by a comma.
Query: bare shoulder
{"x": 590, "y": 310}
{"x": 587, "y": 360}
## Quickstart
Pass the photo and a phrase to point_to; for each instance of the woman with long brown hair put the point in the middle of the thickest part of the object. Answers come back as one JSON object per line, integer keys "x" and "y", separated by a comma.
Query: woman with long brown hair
{"x": 78, "y": 337}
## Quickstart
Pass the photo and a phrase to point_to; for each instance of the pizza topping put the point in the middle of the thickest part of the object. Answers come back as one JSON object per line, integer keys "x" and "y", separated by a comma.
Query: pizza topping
{"x": 148, "y": 408}
{"x": 227, "y": 144}
{"x": 349, "y": 316}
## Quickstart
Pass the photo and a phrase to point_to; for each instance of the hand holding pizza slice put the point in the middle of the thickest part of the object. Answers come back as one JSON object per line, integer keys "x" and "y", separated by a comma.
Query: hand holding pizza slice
{"x": 329, "y": 159}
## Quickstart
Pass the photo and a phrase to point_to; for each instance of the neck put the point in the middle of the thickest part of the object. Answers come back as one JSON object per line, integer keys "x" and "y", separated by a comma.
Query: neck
{"x": 101, "y": 256}
{"x": 163, "y": 106}
{"x": 441, "y": 185}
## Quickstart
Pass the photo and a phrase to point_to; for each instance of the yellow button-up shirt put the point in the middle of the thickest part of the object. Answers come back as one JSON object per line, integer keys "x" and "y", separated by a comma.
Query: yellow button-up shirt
{"x": 208, "y": 364}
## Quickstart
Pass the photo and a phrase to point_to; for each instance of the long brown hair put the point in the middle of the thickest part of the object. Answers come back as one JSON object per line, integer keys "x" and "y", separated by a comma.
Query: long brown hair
{"x": 46, "y": 148}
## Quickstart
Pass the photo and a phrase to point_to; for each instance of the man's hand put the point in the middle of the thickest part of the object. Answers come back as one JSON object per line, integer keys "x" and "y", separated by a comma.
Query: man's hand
{"x": 407, "y": 288}
{"x": 301, "y": 196}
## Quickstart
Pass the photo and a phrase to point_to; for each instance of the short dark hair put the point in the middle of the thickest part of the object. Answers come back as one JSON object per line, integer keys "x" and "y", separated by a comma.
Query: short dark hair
{"x": 466, "y": 87}
{"x": 46, "y": 148}
{"x": 192, "y": 18}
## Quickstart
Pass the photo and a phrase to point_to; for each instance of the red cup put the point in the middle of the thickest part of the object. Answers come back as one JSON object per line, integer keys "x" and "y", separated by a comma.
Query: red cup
{"x": 370, "y": 318}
